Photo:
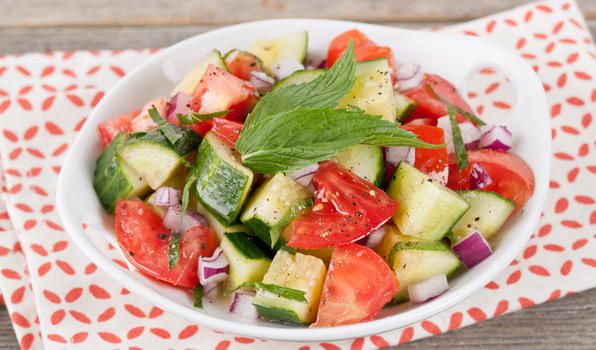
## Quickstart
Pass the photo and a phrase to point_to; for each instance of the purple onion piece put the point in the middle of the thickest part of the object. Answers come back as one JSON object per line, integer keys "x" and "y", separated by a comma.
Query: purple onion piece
{"x": 394, "y": 155}
{"x": 495, "y": 137}
{"x": 166, "y": 197}
{"x": 242, "y": 306}
{"x": 322, "y": 65}
{"x": 470, "y": 134}
{"x": 285, "y": 67}
{"x": 472, "y": 250}
{"x": 409, "y": 76}
{"x": 261, "y": 81}
{"x": 171, "y": 220}
{"x": 179, "y": 104}
{"x": 213, "y": 269}
{"x": 210, "y": 291}
{"x": 375, "y": 238}
{"x": 428, "y": 289}
{"x": 306, "y": 179}
{"x": 479, "y": 178}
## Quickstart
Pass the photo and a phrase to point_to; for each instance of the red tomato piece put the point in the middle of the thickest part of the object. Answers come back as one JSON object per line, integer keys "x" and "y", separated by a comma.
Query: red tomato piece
{"x": 242, "y": 63}
{"x": 512, "y": 177}
{"x": 430, "y": 106}
{"x": 110, "y": 128}
{"x": 143, "y": 121}
{"x": 358, "y": 284}
{"x": 144, "y": 240}
{"x": 227, "y": 129}
{"x": 431, "y": 161}
{"x": 346, "y": 209}
{"x": 364, "y": 49}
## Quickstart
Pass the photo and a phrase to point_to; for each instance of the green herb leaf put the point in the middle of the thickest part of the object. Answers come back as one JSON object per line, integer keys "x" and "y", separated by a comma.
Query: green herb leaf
{"x": 193, "y": 118}
{"x": 470, "y": 116}
{"x": 281, "y": 225}
{"x": 198, "y": 302}
{"x": 460, "y": 149}
{"x": 166, "y": 128}
{"x": 191, "y": 178}
{"x": 324, "y": 91}
{"x": 294, "y": 139}
{"x": 174, "y": 249}
{"x": 284, "y": 292}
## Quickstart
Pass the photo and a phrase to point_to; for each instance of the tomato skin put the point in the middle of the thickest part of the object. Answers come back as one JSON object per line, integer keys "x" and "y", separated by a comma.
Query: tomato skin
{"x": 429, "y": 105}
{"x": 110, "y": 128}
{"x": 364, "y": 49}
{"x": 512, "y": 177}
{"x": 242, "y": 64}
{"x": 346, "y": 209}
{"x": 144, "y": 240}
{"x": 358, "y": 284}
{"x": 228, "y": 130}
{"x": 431, "y": 161}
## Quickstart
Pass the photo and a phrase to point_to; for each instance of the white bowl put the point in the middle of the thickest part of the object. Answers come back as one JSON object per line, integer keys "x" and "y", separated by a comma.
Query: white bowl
{"x": 453, "y": 57}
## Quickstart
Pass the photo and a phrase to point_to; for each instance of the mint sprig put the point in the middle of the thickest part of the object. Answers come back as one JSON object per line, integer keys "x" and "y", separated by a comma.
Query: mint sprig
{"x": 324, "y": 91}
{"x": 458, "y": 143}
{"x": 284, "y": 292}
{"x": 174, "y": 249}
{"x": 294, "y": 139}
{"x": 167, "y": 129}
{"x": 193, "y": 118}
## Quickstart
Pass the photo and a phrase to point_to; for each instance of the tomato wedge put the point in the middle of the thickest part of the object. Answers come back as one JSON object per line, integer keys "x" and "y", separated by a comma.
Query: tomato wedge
{"x": 242, "y": 63}
{"x": 110, "y": 128}
{"x": 144, "y": 240}
{"x": 346, "y": 209}
{"x": 358, "y": 284}
{"x": 512, "y": 177}
{"x": 429, "y": 105}
{"x": 364, "y": 49}
{"x": 227, "y": 129}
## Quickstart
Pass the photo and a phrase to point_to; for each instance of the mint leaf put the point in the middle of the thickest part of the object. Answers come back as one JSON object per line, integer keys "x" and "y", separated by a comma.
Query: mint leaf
{"x": 457, "y": 109}
{"x": 191, "y": 178}
{"x": 284, "y": 292}
{"x": 198, "y": 297}
{"x": 166, "y": 128}
{"x": 174, "y": 249}
{"x": 460, "y": 149}
{"x": 291, "y": 140}
{"x": 324, "y": 91}
{"x": 193, "y": 118}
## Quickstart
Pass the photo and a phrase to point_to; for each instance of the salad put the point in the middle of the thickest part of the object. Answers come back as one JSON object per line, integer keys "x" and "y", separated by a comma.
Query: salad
{"x": 313, "y": 195}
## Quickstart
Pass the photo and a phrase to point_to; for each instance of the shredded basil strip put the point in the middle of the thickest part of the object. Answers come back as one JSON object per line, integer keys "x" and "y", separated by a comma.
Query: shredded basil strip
{"x": 174, "y": 249}
{"x": 470, "y": 116}
{"x": 191, "y": 179}
{"x": 166, "y": 128}
{"x": 284, "y": 292}
{"x": 198, "y": 302}
{"x": 460, "y": 148}
{"x": 193, "y": 118}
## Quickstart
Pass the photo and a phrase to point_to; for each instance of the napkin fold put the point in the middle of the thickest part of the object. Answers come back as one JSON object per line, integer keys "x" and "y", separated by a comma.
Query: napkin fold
{"x": 58, "y": 299}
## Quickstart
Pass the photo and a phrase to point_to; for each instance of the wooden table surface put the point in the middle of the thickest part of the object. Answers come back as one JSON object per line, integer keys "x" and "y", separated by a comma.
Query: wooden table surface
{"x": 44, "y": 25}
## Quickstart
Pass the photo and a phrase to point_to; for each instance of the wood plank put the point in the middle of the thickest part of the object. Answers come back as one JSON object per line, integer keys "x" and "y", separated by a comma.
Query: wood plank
{"x": 20, "y": 40}
{"x": 35, "y": 13}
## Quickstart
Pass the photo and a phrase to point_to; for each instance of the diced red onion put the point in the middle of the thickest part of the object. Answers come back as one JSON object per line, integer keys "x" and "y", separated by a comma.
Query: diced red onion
{"x": 242, "y": 306}
{"x": 213, "y": 269}
{"x": 284, "y": 68}
{"x": 470, "y": 134}
{"x": 305, "y": 175}
{"x": 495, "y": 137}
{"x": 261, "y": 81}
{"x": 322, "y": 65}
{"x": 179, "y": 104}
{"x": 409, "y": 76}
{"x": 191, "y": 219}
{"x": 375, "y": 238}
{"x": 210, "y": 291}
{"x": 479, "y": 178}
{"x": 394, "y": 155}
{"x": 166, "y": 197}
{"x": 428, "y": 289}
{"x": 472, "y": 250}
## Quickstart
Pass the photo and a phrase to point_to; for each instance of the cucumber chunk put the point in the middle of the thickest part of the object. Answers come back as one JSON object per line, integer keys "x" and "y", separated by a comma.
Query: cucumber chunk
{"x": 249, "y": 260}
{"x": 190, "y": 81}
{"x": 223, "y": 183}
{"x": 154, "y": 157}
{"x": 218, "y": 224}
{"x": 114, "y": 179}
{"x": 414, "y": 260}
{"x": 404, "y": 107}
{"x": 296, "y": 271}
{"x": 365, "y": 161}
{"x": 488, "y": 212}
{"x": 298, "y": 77}
{"x": 373, "y": 89}
{"x": 427, "y": 209}
{"x": 284, "y": 46}
{"x": 273, "y": 205}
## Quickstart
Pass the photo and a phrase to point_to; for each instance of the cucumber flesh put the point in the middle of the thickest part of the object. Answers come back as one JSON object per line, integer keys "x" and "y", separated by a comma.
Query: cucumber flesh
{"x": 190, "y": 81}
{"x": 427, "y": 209}
{"x": 249, "y": 260}
{"x": 218, "y": 224}
{"x": 488, "y": 212}
{"x": 298, "y": 77}
{"x": 404, "y": 107}
{"x": 365, "y": 161}
{"x": 282, "y": 47}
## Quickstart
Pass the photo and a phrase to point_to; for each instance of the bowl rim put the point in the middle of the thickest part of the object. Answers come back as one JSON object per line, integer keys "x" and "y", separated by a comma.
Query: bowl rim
{"x": 377, "y": 326}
